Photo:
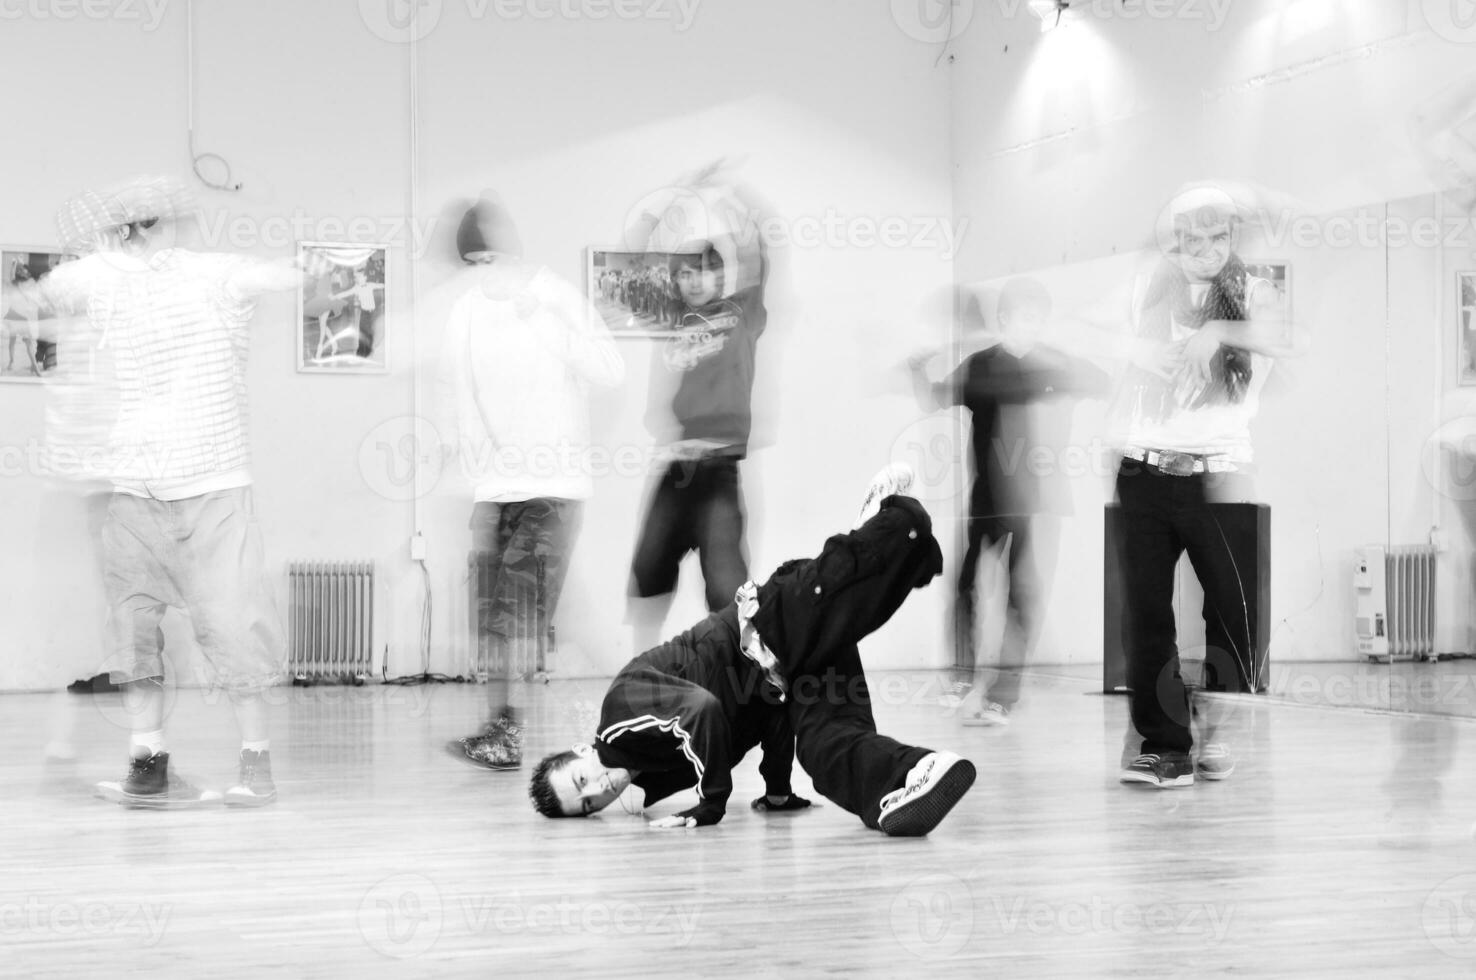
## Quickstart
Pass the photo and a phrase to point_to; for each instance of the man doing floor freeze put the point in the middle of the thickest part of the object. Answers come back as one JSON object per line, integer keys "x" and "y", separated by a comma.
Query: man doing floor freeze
{"x": 779, "y": 667}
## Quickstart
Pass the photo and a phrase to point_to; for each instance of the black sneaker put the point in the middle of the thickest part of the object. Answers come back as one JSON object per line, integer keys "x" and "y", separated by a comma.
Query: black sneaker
{"x": 933, "y": 787}
{"x": 148, "y": 775}
{"x": 150, "y": 785}
{"x": 1162, "y": 771}
{"x": 101, "y": 684}
{"x": 255, "y": 786}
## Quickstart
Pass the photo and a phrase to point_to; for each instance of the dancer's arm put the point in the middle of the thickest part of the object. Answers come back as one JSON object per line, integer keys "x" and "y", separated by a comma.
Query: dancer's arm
{"x": 679, "y": 720}
{"x": 777, "y": 764}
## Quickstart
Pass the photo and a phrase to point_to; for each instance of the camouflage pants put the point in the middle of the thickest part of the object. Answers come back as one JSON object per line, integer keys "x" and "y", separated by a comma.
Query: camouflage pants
{"x": 520, "y": 555}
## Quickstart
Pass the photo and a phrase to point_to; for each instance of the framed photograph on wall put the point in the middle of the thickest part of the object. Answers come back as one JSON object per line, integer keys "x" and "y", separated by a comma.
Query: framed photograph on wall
{"x": 1465, "y": 313}
{"x": 1279, "y": 275}
{"x": 633, "y": 291}
{"x": 341, "y": 319}
{"x": 28, "y": 347}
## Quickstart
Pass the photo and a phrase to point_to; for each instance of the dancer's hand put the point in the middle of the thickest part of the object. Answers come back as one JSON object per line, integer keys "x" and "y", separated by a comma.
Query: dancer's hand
{"x": 1199, "y": 352}
{"x": 703, "y": 815}
{"x": 673, "y": 821}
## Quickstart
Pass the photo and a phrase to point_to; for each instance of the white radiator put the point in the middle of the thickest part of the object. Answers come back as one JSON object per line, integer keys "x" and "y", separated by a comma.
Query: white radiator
{"x": 1394, "y": 592}
{"x": 330, "y": 621}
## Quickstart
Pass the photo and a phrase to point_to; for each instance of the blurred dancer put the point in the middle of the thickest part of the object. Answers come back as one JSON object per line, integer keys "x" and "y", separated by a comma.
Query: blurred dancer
{"x": 1442, "y": 131}
{"x": 522, "y": 348}
{"x": 180, "y": 528}
{"x": 1186, "y": 445}
{"x": 697, "y": 503}
{"x": 1019, "y": 391}
{"x": 684, "y": 713}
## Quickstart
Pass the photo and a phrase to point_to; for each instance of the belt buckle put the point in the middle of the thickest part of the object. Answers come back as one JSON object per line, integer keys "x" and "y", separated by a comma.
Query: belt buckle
{"x": 1176, "y": 464}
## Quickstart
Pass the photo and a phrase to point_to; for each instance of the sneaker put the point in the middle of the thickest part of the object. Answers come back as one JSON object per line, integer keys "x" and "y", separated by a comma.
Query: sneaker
{"x": 101, "y": 684}
{"x": 255, "y": 786}
{"x": 955, "y": 694}
{"x": 499, "y": 746}
{"x": 933, "y": 786}
{"x": 990, "y": 715}
{"x": 1214, "y": 762}
{"x": 894, "y": 478}
{"x": 150, "y": 785}
{"x": 1164, "y": 771}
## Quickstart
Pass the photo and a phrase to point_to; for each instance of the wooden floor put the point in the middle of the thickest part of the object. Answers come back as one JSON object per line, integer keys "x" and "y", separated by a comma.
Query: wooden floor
{"x": 1342, "y": 846}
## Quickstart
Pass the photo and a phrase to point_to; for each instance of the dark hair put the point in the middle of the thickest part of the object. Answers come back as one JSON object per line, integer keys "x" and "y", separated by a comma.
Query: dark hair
{"x": 698, "y": 255}
{"x": 545, "y": 800}
{"x": 1021, "y": 294}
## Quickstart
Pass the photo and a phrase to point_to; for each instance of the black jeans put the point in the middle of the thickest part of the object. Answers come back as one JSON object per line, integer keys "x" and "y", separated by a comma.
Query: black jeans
{"x": 698, "y": 505}
{"x": 1164, "y": 516}
{"x": 1034, "y": 543}
{"x": 812, "y": 613}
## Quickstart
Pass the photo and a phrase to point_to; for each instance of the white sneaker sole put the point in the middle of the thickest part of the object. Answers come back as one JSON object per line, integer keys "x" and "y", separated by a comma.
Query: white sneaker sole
{"x": 1149, "y": 779}
{"x": 247, "y": 798}
{"x": 114, "y": 793}
{"x": 927, "y": 808}
{"x": 893, "y": 479}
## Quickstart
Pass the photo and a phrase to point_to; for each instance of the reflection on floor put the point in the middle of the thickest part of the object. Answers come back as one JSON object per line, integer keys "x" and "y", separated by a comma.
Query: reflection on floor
{"x": 1341, "y": 845}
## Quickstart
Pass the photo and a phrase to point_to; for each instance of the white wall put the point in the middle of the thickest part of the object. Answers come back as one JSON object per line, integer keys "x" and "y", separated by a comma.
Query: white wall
{"x": 573, "y": 121}
{"x": 1052, "y": 152}
{"x": 1069, "y": 143}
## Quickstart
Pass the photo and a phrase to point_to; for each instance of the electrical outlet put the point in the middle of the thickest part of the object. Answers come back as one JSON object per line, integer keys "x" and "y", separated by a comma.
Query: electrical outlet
{"x": 417, "y": 547}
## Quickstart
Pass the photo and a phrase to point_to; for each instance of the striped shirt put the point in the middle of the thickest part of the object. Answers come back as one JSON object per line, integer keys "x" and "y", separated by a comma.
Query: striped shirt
{"x": 177, "y": 335}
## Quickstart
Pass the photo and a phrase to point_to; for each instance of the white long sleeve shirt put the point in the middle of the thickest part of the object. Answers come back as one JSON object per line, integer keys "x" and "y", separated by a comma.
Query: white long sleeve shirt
{"x": 522, "y": 353}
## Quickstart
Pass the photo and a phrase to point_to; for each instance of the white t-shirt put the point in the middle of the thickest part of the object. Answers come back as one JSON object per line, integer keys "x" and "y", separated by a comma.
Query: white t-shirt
{"x": 520, "y": 353}
{"x": 1217, "y": 429}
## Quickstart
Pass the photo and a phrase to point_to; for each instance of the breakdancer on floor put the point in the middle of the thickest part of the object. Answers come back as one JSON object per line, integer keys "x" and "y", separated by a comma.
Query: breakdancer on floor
{"x": 778, "y": 666}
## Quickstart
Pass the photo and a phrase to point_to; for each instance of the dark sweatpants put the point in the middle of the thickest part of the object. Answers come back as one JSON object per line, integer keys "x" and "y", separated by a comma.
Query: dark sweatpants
{"x": 812, "y": 613}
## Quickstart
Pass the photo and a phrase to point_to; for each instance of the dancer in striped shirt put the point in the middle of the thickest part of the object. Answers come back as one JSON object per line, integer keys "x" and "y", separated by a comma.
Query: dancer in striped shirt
{"x": 180, "y": 528}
